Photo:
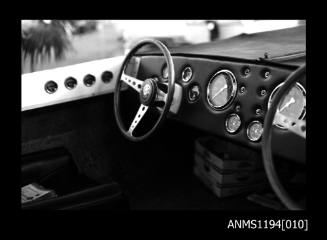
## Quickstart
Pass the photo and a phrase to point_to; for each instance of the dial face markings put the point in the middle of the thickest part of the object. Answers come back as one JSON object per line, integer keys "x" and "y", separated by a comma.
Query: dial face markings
{"x": 233, "y": 123}
{"x": 221, "y": 89}
{"x": 254, "y": 131}
{"x": 293, "y": 105}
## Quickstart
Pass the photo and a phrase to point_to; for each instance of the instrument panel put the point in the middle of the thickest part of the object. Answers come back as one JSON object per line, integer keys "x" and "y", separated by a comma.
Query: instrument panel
{"x": 229, "y": 98}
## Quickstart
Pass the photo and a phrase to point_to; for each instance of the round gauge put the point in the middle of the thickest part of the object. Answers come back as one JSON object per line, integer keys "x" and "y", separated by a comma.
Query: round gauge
{"x": 293, "y": 105}
{"x": 187, "y": 74}
{"x": 221, "y": 90}
{"x": 165, "y": 72}
{"x": 233, "y": 123}
{"x": 254, "y": 131}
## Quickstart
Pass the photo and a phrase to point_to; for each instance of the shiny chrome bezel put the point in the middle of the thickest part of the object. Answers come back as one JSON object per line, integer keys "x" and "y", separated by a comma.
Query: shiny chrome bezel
{"x": 233, "y": 94}
{"x": 226, "y": 122}
{"x": 302, "y": 89}
{"x": 248, "y": 131}
{"x": 187, "y": 80}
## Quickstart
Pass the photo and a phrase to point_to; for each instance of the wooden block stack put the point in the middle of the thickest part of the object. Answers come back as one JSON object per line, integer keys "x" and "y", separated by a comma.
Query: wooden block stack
{"x": 228, "y": 169}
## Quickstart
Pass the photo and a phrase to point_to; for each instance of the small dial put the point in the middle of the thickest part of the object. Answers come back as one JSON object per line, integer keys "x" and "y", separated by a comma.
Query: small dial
{"x": 221, "y": 90}
{"x": 254, "y": 131}
{"x": 187, "y": 74}
{"x": 233, "y": 123}
{"x": 293, "y": 105}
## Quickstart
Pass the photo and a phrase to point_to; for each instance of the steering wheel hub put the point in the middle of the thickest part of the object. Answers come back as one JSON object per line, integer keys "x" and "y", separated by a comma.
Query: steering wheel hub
{"x": 148, "y": 92}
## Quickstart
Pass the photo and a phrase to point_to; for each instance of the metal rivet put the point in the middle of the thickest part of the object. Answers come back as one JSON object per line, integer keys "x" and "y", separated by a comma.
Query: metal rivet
{"x": 237, "y": 108}
{"x": 258, "y": 111}
{"x": 263, "y": 92}
{"x": 246, "y": 71}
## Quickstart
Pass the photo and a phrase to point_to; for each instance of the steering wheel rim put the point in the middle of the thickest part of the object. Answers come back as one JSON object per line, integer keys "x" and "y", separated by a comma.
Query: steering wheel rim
{"x": 266, "y": 141}
{"x": 168, "y": 98}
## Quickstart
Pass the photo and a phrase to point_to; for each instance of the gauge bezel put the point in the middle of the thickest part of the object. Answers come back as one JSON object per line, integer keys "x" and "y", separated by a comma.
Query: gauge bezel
{"x": 233, "y": 94}
{"x": 226, "y": 123}
{"x": 248, "y": 130}
{"x": 302, "y": 89}
{"x": 187, "y": 68}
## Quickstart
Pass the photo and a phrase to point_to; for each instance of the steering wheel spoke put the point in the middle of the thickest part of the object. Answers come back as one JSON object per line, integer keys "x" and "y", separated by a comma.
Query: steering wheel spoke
{"x": 139, "y": 115}
{"x": 135, "y": 83}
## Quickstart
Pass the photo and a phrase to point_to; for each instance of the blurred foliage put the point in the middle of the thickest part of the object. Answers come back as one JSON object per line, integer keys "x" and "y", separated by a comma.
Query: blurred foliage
{"x": 45, "y": 39}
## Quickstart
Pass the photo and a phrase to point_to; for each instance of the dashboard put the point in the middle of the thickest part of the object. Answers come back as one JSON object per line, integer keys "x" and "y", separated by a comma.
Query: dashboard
{"x": 230, "y": 98}
{"x": 224, "y": 87}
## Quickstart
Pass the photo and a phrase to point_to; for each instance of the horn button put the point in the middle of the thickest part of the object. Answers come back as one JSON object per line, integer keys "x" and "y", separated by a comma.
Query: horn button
{"x": 148, "y": 92}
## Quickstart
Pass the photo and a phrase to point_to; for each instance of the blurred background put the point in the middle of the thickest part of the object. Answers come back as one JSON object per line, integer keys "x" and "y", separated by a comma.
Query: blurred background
{"x": 49, "y": 44}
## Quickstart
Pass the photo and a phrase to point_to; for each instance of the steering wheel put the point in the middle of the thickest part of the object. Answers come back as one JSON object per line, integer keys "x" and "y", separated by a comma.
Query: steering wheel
{"x": 148, "y": 90}
{"x": 294, "y": 125}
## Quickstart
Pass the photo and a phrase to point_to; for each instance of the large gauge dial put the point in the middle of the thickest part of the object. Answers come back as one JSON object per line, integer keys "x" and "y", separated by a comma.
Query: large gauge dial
{"x": 293, "y": 105}
{"x": 221, "y": 90}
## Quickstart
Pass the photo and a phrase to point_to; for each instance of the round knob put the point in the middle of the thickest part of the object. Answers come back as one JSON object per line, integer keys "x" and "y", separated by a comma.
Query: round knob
{"x": 70, "y": 83}
{"x": 51, "y": 87}
{"x": 89, "y": 80}
{"x": 106, "y": 76}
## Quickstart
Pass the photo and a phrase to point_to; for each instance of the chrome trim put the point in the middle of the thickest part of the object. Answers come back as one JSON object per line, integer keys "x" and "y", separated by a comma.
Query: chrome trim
{"x": 133, "y": 82}
{"x": 248, "y": 129}
{"x": 303, "y": 113}
{"x": 187, "y": 80}
{"x": 226, "y": 123}
{"x": 138, "y": 117}
{"x": 233, "y": 94}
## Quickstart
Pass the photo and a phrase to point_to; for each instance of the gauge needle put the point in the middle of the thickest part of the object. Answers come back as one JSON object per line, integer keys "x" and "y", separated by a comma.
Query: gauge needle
{"x": 225, "y": 86}
{"x": 292, "y": 100}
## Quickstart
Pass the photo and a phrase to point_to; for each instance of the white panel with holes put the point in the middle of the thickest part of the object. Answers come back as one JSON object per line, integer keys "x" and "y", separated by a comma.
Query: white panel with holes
{"x": 34, "y": 94}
